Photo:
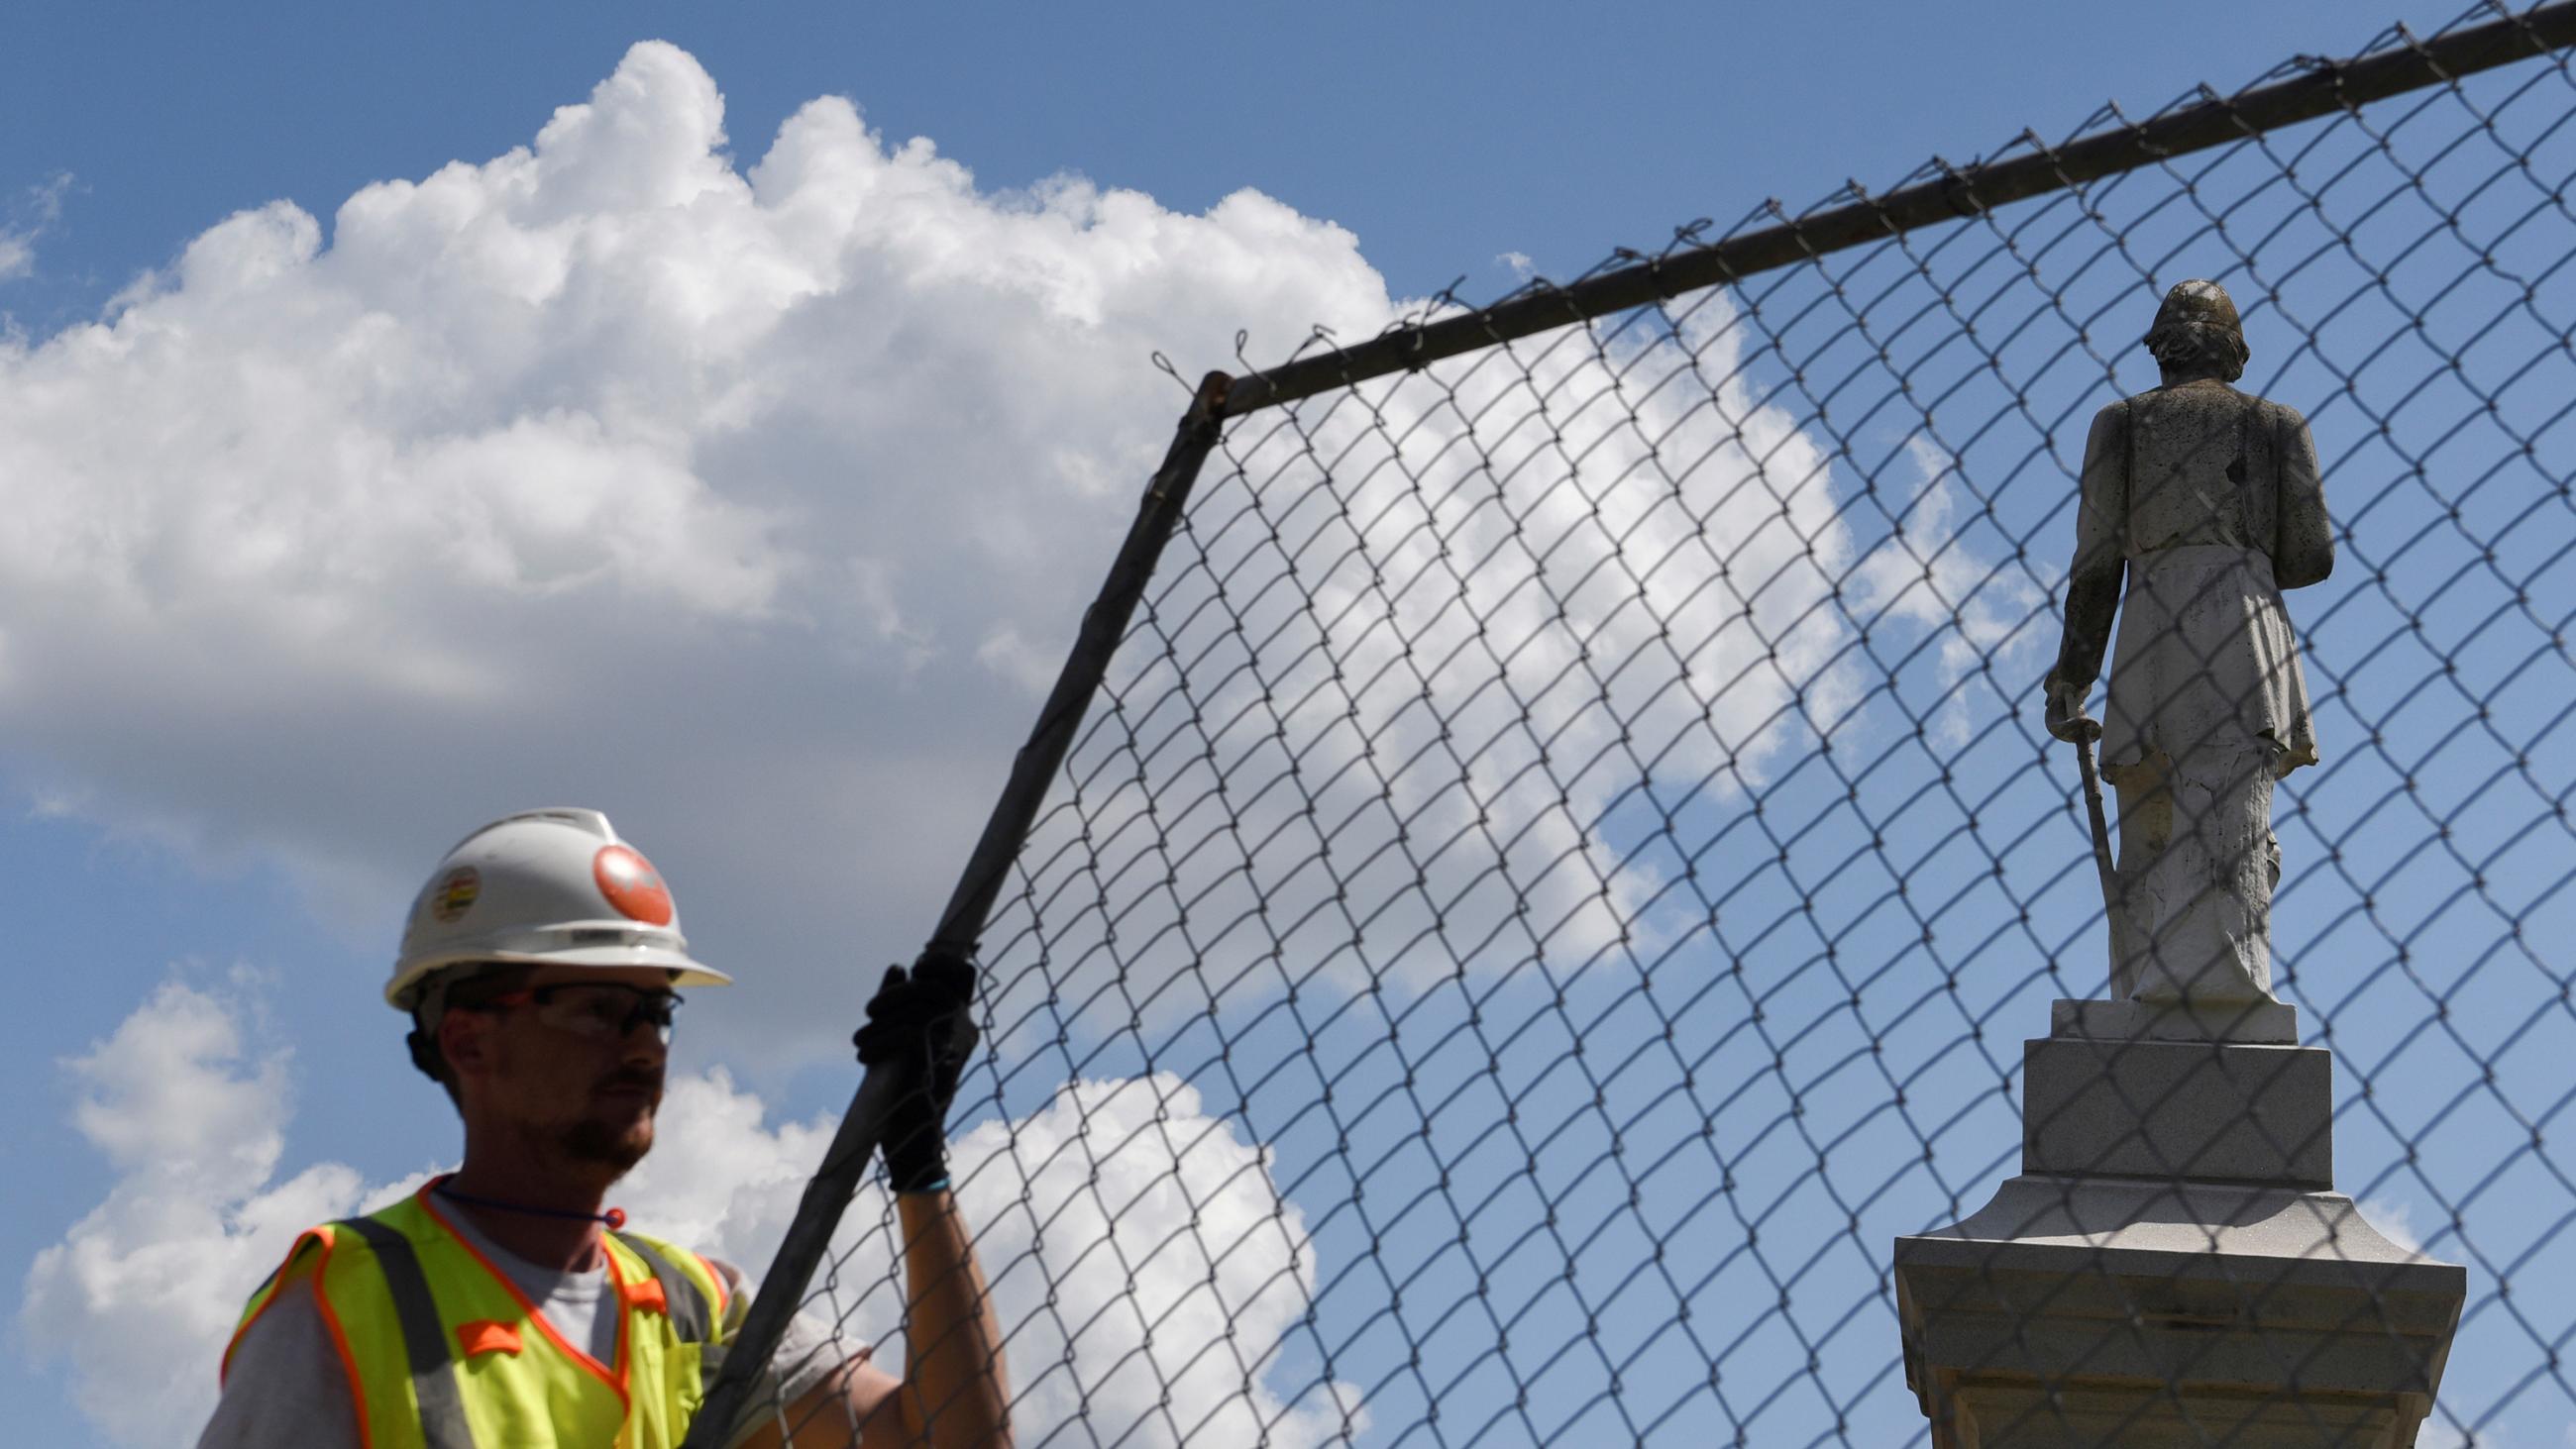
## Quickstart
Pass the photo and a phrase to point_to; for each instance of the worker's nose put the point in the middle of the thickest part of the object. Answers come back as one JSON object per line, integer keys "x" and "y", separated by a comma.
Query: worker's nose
{"x": 643, "y": 1045}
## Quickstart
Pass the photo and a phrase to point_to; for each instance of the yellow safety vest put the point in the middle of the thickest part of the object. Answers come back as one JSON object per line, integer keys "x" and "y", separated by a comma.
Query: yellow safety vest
{"x": 444, "y": 1350}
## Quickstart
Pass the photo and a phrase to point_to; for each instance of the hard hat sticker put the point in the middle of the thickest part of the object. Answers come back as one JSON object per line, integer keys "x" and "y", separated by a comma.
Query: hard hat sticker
{"x": 455, "y": 895}
{"x": 632, "y": 885}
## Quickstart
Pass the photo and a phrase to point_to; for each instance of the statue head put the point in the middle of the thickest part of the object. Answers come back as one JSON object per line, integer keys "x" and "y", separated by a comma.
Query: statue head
{"x": 2196, "y": 329}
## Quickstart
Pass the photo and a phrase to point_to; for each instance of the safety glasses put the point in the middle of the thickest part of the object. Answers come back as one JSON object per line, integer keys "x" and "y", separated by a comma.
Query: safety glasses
{"x": 604, "y": 1011}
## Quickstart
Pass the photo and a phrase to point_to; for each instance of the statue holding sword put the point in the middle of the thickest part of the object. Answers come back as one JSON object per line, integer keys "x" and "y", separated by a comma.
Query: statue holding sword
{"x": 2200, "y": 504}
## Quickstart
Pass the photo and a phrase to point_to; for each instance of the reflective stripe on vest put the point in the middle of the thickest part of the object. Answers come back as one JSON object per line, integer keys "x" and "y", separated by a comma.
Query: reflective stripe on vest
{"x": 444, "y": 1351}
{"x": 433, "y": 1372}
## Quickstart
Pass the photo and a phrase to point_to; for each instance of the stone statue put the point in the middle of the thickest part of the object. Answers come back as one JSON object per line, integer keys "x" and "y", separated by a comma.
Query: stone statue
{"x": 2207, "y": 500}
{"x": 2172, "y": 1265}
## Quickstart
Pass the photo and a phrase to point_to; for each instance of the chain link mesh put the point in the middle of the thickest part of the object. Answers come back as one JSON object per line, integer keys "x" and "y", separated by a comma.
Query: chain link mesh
{"x": 1566, "y": 857}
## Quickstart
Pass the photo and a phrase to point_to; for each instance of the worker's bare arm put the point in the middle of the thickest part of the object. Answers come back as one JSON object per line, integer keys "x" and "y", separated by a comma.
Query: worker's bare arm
{"x": 856, "y": 1406}
{"x": 955, "y": 1393}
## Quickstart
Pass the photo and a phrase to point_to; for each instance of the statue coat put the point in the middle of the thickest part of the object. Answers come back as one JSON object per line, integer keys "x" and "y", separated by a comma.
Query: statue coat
{"x": 2200, "y": 504}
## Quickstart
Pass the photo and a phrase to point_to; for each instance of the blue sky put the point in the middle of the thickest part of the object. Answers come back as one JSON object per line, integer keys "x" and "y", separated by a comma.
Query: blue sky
{"x": 161, "y": 829}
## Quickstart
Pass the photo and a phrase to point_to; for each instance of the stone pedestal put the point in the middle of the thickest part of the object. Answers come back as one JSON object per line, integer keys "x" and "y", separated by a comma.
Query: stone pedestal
{"x": 2173, "y": 1266}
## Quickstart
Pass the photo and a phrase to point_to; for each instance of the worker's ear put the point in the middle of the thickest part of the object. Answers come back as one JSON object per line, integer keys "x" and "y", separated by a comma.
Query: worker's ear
{"x": 424, "y": 1054}
{"x": 465, "y": 1041}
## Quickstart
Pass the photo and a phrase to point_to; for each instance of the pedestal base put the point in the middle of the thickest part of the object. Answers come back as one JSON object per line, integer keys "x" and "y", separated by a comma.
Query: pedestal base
{"x": 2172, "y": 1267}
{"x": 2086, "y": 1313}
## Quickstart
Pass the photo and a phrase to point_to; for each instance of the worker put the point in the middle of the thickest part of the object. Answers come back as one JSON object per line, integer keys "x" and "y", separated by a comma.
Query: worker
{"x": 502, "y": 1305}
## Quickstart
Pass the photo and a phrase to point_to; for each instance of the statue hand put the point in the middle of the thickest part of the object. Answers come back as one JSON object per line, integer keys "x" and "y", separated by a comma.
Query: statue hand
{"x": 2066, "y": 717}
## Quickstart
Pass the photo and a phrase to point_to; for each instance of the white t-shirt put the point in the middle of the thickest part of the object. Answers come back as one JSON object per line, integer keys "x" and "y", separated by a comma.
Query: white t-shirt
{"x": 287, "y": 1385}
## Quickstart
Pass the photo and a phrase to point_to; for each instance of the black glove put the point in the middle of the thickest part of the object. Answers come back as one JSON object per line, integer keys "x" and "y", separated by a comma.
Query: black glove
{"x": 923, "y": 1024}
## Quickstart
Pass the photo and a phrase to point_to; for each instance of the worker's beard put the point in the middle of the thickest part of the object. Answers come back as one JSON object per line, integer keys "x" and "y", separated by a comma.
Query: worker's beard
{"x": 614, "y": 1144}
{"x": 620, "y": 1147}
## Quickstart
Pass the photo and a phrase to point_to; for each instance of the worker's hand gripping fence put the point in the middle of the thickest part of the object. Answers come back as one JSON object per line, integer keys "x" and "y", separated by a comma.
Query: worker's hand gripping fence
{"x": 1564, "y": 861}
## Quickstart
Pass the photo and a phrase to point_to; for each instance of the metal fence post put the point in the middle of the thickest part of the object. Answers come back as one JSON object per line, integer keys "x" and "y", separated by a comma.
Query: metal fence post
{"x": 1033, "y": 773}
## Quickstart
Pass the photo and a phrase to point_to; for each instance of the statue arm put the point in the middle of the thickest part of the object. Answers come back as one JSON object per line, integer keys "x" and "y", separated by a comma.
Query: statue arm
{"x": 2303, "y": 543}
{"x": 2093, "y": 583}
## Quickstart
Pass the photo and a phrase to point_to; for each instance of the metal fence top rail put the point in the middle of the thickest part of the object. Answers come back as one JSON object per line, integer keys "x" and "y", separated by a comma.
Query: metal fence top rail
{"x": 2324, "y": 87}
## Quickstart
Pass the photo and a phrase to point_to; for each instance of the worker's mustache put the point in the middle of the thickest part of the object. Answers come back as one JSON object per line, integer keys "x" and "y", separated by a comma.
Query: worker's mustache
{"x": 646, "y": 1081}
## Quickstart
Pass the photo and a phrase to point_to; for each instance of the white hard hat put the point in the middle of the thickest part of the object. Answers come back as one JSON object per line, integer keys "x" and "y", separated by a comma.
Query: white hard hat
{"x": 546, "y": 888}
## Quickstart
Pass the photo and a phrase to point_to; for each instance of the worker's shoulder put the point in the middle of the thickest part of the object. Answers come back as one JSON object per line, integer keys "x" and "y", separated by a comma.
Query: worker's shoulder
{"x": 293, "y": 1286}
{"x": 343, "y": 1239}
{"x": 311, "y": 1250}
{"x": 306, "y": 1257}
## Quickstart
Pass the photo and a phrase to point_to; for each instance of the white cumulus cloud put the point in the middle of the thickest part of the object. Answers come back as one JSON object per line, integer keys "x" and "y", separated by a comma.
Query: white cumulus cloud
{"x": 192, "y": 1117}
{"x": 1426, "y": 640}
{"x": 1140, "y": 1254}
{"x": 37, "y": 209}
{"x": 1143, "y": 1264}
{"x": 756, "y": 506}
{"x": 751, "y": 504}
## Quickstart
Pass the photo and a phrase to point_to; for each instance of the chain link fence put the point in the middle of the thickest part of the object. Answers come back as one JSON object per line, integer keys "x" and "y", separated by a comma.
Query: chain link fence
{"x": 1564, "y": 860}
